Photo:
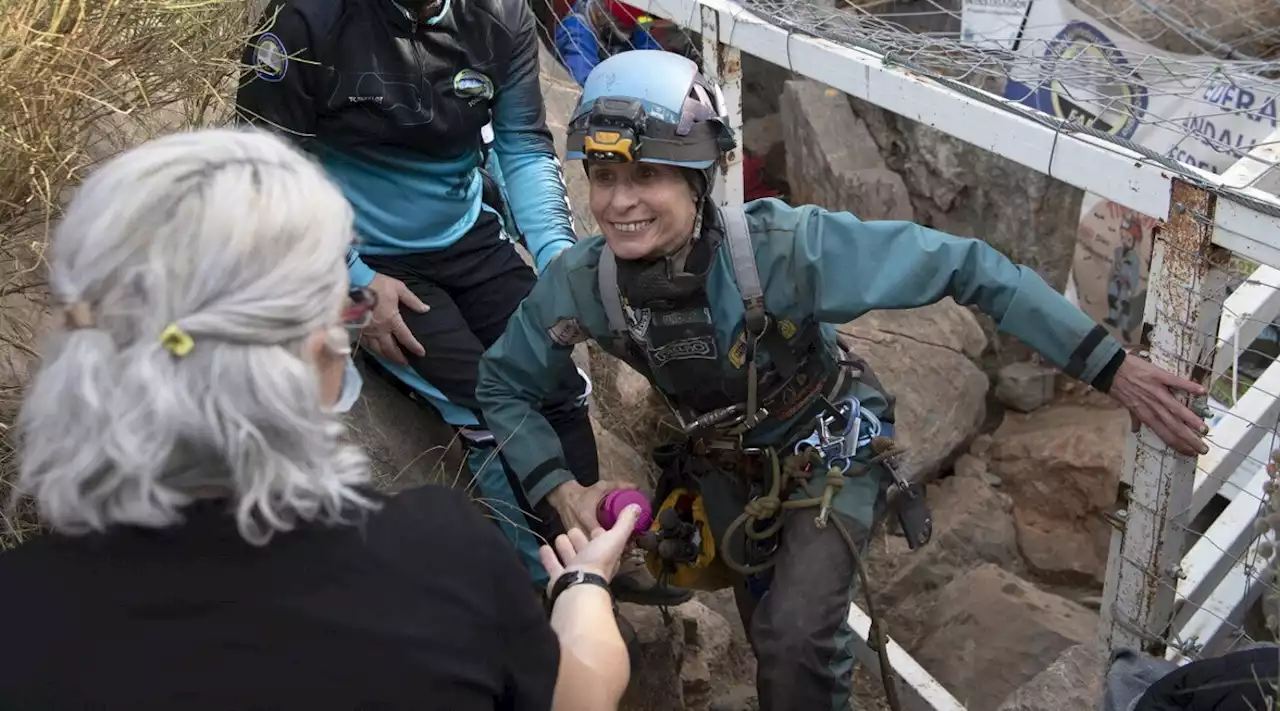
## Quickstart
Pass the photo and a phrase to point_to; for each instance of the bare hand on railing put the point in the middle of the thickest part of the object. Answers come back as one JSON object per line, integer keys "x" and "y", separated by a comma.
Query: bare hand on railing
{"x": 1146, "y": 391}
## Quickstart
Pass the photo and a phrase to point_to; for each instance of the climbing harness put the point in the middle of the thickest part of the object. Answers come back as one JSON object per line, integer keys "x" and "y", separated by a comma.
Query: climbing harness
{"x": 830, "y": 453}
{"x": 800, "y": 369}
{"x": 681, "y": 541}
{"x": 691, "y": 541}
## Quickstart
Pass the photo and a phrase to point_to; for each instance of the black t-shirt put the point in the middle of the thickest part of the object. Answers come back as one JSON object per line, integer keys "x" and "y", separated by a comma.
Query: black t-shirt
{"x": 423, "y": 606}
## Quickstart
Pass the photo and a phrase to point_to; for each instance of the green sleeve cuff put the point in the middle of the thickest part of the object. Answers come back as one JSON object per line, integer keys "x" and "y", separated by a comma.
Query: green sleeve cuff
{"x": 538, "y": 484}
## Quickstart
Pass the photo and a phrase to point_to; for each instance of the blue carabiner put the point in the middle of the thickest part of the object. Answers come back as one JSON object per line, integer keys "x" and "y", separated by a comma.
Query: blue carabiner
{"x": 814, "y": 441}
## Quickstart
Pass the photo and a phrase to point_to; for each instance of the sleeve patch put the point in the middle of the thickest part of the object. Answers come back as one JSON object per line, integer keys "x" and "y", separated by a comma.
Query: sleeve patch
{"x": 270, "y": 59}
{"x": 568, "y": 332}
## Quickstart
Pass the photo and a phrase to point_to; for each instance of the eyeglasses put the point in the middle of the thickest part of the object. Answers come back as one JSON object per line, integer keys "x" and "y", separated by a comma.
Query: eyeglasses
{"x": 359, "y": 310}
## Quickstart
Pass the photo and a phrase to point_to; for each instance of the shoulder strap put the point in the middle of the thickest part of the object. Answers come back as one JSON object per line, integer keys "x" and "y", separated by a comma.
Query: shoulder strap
{"x": 743, "y": 257}
{"x": 756, "y": 319}
{"x": 607, "y": 271}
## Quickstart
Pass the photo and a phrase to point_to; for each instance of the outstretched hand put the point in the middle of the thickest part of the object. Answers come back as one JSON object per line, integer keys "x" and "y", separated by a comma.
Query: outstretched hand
{"x": 600, "y": 555}
{"x": 1146, "y": 392}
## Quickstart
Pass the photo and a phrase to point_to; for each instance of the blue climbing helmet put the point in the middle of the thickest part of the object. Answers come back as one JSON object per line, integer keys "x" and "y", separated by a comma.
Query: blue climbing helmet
{"x": 650, "y": 106}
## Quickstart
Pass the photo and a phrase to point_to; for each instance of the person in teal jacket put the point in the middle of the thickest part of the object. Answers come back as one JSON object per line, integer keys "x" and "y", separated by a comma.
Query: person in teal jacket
{"x": 728, "y": 313}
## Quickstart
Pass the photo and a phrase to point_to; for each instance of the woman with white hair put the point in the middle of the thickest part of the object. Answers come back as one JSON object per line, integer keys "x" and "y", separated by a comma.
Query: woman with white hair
{"x": 215, "y": 541}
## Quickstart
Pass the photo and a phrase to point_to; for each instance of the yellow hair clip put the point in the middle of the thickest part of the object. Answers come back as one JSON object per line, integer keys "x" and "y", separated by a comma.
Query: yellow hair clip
{"x": 176, "y": 341}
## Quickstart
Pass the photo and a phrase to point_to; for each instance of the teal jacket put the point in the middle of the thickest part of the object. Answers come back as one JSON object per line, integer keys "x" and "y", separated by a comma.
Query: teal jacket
{"x": 814, "y": 265}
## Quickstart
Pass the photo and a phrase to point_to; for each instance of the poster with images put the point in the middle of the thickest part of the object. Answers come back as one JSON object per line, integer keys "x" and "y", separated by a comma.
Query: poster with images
{"x": 1203, "y": 118}
{"x": 1112, "y": 256}
{"x": 992, "y": 23}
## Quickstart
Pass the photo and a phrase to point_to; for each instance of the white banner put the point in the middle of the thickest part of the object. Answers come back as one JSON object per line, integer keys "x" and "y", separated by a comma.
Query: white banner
{"x": 992, "y": 23}
{"x": 1190, "y": 114}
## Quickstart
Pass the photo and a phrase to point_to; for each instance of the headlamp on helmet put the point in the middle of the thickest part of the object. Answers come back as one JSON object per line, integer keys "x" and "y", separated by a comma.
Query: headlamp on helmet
{"x": 649, "y": 106}
{"x": 613, "y": 130}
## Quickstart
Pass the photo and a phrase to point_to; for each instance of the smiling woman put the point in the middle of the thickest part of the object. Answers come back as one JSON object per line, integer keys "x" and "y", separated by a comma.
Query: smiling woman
{"x": 645, "y": 209}
{"x": 730, "y": 313}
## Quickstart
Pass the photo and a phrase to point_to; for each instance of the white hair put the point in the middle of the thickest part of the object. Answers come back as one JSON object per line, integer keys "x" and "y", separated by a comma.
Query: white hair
{"x": 238, "y": 240}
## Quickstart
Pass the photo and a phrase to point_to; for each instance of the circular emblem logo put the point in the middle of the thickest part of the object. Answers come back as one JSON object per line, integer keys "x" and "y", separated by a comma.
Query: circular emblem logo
{"x": 270, "y": 60}
{"x": 1091, "y": 83}
{"x": 470, "y": 84}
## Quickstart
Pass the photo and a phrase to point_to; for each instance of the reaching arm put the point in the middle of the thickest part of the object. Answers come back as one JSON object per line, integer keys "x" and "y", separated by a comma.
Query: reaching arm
{"x": 516, "y": 375}
{"x": 847, "y": 267}
{"x": 539, "y": 203}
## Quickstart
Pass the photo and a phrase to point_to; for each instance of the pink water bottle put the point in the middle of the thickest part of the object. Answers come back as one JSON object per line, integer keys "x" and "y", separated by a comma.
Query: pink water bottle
{"x": 615, "y": 501}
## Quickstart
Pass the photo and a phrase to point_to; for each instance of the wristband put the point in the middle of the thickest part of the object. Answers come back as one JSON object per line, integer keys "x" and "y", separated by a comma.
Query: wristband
{"x": 576, "y": 577}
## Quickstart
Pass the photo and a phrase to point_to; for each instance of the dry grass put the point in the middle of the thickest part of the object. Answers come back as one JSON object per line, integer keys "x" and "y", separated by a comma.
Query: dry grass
{"x": 81, "y": 80}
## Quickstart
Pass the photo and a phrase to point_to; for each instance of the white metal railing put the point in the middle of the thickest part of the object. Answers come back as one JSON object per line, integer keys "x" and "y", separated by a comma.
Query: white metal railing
{"x": 1160, "y": 595}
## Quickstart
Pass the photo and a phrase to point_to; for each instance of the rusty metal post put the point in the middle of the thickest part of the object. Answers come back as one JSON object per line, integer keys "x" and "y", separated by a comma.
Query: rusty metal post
{"x": 722, "y": 64}
{"x": 1180, "y": 326}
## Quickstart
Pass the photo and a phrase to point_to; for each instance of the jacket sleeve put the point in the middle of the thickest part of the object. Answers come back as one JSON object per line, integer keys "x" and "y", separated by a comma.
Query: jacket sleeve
{"x": 845, "y": 267}
{"x": 539, "y": 202}
{"x": 278, "y": 90}
{"x": 577, "y": 46}
{"x": 519, "y": 371}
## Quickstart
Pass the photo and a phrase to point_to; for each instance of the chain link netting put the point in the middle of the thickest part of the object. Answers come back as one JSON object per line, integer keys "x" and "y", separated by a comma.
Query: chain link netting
{"x": 1182, "y": 82}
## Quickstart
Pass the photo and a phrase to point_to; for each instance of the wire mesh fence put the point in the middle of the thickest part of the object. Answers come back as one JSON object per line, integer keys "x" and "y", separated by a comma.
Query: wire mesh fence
{"x": 1181, "y": 82}
{"x": 1193, "y": 556}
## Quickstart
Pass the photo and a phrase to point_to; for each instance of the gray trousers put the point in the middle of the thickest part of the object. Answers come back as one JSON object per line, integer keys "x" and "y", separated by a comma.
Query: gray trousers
{"x": 799, "y": 629}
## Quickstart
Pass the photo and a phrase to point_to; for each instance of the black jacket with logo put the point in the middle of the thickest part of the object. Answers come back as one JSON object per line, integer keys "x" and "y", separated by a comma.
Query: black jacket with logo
{"x": 368, "y": 78}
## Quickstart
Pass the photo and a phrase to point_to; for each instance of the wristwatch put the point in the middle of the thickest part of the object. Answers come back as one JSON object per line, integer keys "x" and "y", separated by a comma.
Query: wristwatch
{"x": 576, "y": 577}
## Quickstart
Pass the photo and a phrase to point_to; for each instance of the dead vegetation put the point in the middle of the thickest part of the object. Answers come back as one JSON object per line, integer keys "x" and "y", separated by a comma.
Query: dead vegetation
{"x": 81, "y": 80}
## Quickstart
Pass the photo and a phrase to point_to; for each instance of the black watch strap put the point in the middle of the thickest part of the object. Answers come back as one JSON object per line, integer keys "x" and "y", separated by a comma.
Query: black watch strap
{"x": 575, "y": 577}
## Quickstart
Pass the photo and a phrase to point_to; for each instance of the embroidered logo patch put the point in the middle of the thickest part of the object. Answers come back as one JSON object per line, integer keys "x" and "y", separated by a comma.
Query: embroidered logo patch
{"x": 699, "y": 347}
{"x": 637, "y": 321}
{"x": 738, "y": 351}
{"x": 568, "y": 332}
{"x": 473, "y": 86}
{"x": 270, "y": 60}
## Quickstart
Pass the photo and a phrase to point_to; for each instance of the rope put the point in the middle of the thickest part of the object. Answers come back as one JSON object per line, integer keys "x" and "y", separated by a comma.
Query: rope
{"x": 770, "y": 505}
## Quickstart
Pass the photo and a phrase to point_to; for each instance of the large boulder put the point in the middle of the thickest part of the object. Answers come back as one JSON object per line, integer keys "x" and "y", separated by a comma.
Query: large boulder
{"x": 964, "y": 190}
{"x": 407, "y": 442}
{"x": 621, "y": 463}
{"x": 1072, "y": 683}
{"x": 560, "y": 97}
{"x": 688, "y": 662}
{"x": 625, "y": 403}
{"x": 1061, "y": 466}
{"x": 972, "y": 526}
{"x": 844, "y": 174}
{"x": 923, "y": 358}
{"x": 990, "y": 632}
